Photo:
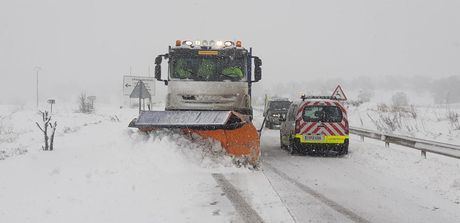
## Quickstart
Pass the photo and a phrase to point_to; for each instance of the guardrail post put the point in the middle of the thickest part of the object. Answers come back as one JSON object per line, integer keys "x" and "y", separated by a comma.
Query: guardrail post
{"x": 423, "y": 153}
{"x": 362, "y": 138}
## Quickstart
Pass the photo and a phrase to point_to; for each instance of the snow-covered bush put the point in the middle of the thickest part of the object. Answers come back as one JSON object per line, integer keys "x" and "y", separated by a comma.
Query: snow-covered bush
{"x": 399, "y": 99}
{"x": 453, "y": 118}
{"x": 85, "y": 105}
{"x": 49, "y": 141}
{"x": 446, "y": 90}
{"x": 387, "y": 121}
{"x": 365, "y": 95}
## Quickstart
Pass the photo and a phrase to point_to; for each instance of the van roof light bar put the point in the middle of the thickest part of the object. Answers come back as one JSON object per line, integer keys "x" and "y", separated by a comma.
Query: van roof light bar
{"x": 303, "y": 97}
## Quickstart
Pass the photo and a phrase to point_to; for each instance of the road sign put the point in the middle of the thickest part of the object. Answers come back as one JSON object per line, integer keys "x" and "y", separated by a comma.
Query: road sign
{"x": 140, "y": 91}
{"x": 51, "y": 102}
{"x": 129, "y": 82}
{"x": 339, "y": 94}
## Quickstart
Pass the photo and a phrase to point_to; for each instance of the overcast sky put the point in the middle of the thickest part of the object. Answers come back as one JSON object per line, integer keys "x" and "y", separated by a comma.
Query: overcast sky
{"x": 87, "y": 45}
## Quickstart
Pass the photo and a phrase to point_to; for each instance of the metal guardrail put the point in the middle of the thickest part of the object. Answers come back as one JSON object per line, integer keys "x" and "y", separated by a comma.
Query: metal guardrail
{"x": 424, "y": 146}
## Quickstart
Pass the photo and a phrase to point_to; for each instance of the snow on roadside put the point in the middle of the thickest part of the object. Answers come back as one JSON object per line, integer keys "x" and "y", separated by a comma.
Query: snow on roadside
{"x": 101, "y": 171}
{"x": 428, "y": 122}
{"x": 436, "y": 173}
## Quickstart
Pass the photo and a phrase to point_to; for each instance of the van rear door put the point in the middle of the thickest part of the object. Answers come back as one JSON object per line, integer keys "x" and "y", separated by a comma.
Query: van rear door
{"x": 318, "y": 120}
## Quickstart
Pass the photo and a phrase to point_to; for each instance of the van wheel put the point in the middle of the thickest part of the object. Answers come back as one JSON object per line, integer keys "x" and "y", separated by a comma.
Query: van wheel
{"x": 281, "y": 143}
{"x": 292, "y": 147}
{"x": 344, "y": 150}
{"x": 268, "y": 125}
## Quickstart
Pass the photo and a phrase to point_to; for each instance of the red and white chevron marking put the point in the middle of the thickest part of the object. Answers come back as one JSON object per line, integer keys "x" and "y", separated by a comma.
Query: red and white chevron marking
{"x": 326, "y": 128}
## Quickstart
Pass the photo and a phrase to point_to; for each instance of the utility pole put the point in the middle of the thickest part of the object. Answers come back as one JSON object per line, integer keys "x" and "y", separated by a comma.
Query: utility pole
{"x": 37, "y": 70}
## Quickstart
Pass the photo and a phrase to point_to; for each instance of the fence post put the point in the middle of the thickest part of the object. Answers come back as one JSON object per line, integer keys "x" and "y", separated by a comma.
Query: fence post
{"x": 423, "y": 153}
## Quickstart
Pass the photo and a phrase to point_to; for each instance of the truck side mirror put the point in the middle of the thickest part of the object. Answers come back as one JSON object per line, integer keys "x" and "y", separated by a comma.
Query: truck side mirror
{"x": 158, "y": 72}
{"x": 257, "y": 69}
{"x": 158, "y": 61}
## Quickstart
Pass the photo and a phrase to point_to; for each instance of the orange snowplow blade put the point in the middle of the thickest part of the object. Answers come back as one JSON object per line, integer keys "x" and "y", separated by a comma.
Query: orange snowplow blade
{"x": 240, "y": 142}
{"x": 236, "y": 134}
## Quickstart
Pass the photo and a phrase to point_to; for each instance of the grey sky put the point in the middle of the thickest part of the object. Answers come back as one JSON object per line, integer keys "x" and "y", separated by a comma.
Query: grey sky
{"x": 88, "y": 45}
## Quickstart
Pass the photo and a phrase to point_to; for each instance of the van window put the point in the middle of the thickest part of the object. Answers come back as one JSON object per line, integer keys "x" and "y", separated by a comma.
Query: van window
{"x": 322, "y": 114}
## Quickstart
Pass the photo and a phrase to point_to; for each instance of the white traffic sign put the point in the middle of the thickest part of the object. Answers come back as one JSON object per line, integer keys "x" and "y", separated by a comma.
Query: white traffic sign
{"x": 130, "y": 82}
{"x": 339, "y": 94}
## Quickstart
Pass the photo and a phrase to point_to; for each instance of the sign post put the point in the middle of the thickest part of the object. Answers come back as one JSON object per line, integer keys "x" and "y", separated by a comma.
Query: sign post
{"x": 141, "y": 92}
{"x": 130, "y": 82}
{"x": 91, "y": 100}
{"x": 51, "y": 102}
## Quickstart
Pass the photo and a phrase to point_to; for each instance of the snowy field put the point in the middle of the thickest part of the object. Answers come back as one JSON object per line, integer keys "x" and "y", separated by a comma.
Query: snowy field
{"x": 102, "y": 171}
{"x": 431, "y": 122}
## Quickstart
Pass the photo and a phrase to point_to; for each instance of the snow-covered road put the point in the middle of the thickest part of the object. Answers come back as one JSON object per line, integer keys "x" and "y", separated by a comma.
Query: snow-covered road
{"x": 102, "y": 171}
{"x": 364, "y": 186}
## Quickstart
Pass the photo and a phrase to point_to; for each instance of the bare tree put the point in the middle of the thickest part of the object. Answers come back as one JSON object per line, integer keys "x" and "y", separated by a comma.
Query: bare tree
{"x": 83, "y": 103}
{"x": 46, "y": 118}
{"x": 86, "y": 104}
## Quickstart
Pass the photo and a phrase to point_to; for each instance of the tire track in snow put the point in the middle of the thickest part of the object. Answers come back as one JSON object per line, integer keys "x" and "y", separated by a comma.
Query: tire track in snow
{"x": 330, "y": 203}
{"x": 247, "y": 213}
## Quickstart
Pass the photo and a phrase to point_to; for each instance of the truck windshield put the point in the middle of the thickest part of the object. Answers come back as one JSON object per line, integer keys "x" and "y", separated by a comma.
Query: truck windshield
{"x": 208, "y": 68}
{"x": 279, "y": 105}
{"x": 322, "y": 114}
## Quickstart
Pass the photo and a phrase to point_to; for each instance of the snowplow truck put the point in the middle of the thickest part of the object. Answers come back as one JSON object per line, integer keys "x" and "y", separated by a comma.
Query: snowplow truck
{"x": 209, "y": 94}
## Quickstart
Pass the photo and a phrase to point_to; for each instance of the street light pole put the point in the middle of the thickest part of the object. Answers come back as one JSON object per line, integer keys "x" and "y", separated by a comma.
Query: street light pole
{"x": 37, "y": 69}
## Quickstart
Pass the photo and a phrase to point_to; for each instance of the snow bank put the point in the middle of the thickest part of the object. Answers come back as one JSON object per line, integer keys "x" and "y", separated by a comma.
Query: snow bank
{"x": 436, "y": 173}
{"x": 101, "y": 171}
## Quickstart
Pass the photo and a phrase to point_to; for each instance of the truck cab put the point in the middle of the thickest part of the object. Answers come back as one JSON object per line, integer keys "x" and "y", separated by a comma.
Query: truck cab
{"x": 209, "y": 75}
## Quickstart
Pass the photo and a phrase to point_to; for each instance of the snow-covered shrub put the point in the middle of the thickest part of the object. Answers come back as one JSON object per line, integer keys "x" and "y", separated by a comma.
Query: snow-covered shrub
{"x": 446, "y": 90}
{"x": 387, "y": 121}
{"x": 453, "y": 118}
{"x": 365, "y": 95}
{"x": 413, "y": 111}
{"x": 354, "y": 103}
{"x": 86, "y": 104}
{"x": 383, "y": 108}
{"x": 49, "y": 141}
{"x": 399, "y": 99}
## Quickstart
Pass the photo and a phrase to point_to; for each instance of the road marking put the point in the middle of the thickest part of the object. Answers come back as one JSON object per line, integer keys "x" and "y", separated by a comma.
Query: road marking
{"x": 281, "y": 199}
{"x": 332, "y": 204}
{"x": 248, "y": 214}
